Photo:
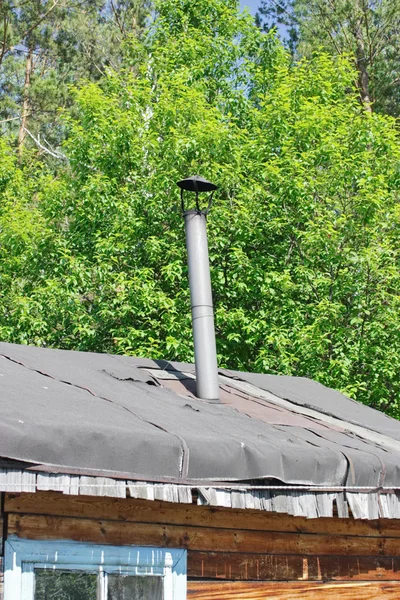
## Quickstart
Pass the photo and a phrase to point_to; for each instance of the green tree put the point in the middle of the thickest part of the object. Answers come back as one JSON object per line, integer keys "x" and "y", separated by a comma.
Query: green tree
{"x": 304, "y": 234}
{"x": 368, "y": 30}
{"x": 49, "y": 44}
{"x": 64, "y": 585}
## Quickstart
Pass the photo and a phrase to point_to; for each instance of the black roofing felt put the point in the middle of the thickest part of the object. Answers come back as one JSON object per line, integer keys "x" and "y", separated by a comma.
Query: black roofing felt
{"x": 96, "y": 412}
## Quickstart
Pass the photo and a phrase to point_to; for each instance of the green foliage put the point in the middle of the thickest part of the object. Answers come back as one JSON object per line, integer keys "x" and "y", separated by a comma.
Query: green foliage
{"x": 59, "y": 43}
{"x": 367, "y": 30}
{"x": 64, "y": 585}
{"x": 304, "y": 234}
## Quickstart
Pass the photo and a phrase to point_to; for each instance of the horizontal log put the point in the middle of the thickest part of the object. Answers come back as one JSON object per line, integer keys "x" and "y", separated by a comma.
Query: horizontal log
{"x": 146, "y": 511}
{"x": 268, "y": 567}
{"x": 292, "y": 591}
{"x": 197, "y": 538}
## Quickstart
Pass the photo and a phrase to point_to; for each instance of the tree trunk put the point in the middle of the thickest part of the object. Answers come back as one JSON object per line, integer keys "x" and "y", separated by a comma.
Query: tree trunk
{"x": 362, "y": 63}
{"x": 25, "y": 104}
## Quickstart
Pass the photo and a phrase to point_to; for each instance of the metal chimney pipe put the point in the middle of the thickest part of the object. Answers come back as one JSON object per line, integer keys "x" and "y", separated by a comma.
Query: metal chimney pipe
{"x": 205, "y": 351}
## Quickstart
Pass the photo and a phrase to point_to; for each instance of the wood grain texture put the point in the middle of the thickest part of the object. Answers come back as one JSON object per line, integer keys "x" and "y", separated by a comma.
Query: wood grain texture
{"x": 222, "y": 543}
{"x": 145, "y": 511}
{"x": 268, "y": 567}
{"x": 198, "y": 538}
{"x": 292, "y": 591}
{"x": 1, "y": 577}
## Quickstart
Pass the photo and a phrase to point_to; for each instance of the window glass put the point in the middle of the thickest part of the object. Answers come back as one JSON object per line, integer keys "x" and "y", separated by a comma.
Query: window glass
{"x": 65, "y": 585}
{"x": 130, "y": 587}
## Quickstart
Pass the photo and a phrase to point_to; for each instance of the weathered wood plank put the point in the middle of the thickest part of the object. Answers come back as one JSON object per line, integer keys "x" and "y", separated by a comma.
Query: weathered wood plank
{"x": 145, "y": 511}
{"x": 198, "y": 538}
{"x": 1, "y": 579}
{"x": 269, "y": 567}
{"x": 292, "y": 591}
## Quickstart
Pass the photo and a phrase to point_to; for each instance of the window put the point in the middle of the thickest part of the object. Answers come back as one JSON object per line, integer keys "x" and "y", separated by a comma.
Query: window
{"x": 44, "y": 570}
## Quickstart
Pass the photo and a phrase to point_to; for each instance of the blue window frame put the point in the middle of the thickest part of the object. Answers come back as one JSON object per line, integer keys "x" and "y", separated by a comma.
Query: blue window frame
{"x": 25, "y": 559}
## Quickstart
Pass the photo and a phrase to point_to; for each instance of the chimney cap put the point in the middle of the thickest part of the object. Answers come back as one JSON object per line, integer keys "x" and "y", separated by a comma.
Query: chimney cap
{"x": 196, "y": 184}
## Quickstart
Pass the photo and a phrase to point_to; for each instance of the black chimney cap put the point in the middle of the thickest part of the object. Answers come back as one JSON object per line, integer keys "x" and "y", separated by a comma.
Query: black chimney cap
{"x": 196, "y": 184}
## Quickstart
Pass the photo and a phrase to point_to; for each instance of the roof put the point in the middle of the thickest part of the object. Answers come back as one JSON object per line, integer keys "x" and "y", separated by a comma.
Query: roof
{"x": 86, "y": 415}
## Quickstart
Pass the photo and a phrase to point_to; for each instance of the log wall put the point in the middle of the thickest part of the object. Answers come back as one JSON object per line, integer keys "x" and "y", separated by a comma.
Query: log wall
{"x": 292, "y": 591}
{"x": 232, "y": 554}
{"x": 1, "y": 549}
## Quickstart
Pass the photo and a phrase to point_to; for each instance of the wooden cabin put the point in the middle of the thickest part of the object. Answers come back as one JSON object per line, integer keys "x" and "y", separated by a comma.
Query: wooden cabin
{"x": 118, "y": 483}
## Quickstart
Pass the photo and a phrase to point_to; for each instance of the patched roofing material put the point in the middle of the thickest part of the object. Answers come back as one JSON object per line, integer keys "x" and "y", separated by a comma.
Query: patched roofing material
{"x": 85, "y": 423}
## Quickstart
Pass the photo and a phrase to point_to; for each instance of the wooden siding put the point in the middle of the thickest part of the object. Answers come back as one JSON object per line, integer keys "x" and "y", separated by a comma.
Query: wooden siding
{"x": 1, "y": 578}
{"x": 145, "y": 511}
{"x": 1, "y": 557}
{"x": 198, "y": 538}
{"x": 269, "y": 567}
{"x": 292, "y": 591}
{"x": 246, "y": 554}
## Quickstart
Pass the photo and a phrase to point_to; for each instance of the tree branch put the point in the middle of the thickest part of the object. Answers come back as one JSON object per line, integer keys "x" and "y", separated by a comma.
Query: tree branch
{"x": 4, "y": 42}
{"x": 324, "y": 15}
{"x": 41, "y": 19}
{"x": 120, "y": 25}
{"x": 14, "y": 118}
{"x": 55, "y": 154}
